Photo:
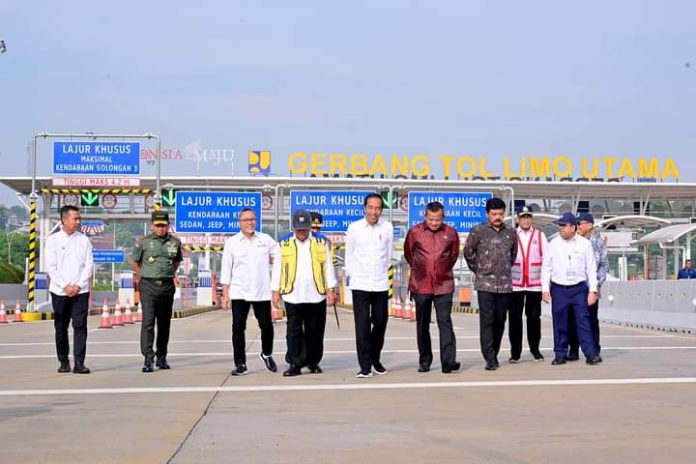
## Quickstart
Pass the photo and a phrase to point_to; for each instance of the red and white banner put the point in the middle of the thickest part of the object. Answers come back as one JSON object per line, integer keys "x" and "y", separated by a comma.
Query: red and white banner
{"x": 113, "y": 182}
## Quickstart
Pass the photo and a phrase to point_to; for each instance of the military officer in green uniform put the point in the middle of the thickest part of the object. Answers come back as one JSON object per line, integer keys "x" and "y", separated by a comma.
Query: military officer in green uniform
{"x": 155, "y": 261}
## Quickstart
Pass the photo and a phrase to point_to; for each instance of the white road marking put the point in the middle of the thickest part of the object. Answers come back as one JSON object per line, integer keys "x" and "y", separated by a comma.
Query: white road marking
{"x": 409, "y": 351}
{"x": 351, "y": 386}
{"x": 228, "y": 340}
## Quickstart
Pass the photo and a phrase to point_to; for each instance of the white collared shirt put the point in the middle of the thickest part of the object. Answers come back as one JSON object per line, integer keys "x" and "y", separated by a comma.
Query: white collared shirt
{"x": 246, "y": 266}
{"x": 368, "y": 254}
{"x": 68, "y": 261}
{"x": 569, "y": 262}
{"x": 304, "y": 290}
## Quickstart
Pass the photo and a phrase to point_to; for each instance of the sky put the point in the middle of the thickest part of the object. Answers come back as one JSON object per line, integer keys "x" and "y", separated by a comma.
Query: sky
{"x": 575, "y": 78}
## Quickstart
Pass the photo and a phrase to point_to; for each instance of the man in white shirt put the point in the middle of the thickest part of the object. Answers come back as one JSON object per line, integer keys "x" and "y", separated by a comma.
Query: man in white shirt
{"x": 369, "y": 244}
{"x": 305, "y": 278}
{"x": 246, "y": 281}
{"x": 526, "y": 286}
{"x": 69, "y": 265}
{"x": 569, "y": 283}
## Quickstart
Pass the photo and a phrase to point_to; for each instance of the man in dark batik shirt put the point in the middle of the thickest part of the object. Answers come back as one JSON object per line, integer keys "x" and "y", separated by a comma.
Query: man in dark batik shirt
{"x": 490, "y": 252}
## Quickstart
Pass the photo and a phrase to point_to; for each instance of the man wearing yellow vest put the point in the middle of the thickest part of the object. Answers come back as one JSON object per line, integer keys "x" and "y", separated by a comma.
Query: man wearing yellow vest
{"x": 305, "y": 280}
{"x": 526, "y": 286}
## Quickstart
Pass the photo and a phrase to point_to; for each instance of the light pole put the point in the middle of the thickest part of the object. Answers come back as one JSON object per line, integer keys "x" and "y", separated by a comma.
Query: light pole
{"x": 9, "y": 245}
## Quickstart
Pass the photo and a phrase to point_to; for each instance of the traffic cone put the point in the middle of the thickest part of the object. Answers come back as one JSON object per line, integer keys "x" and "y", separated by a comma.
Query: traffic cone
{"x": 105, "y": 322}
{"x": 397, "y": 308}
{"x": 128, "y": 315}
{"x": 3, "y": 313}
{"x": 139, "y": 314}
{"x": 118, "y": 320}
{"x": 18, "y": 312}
{"x": 407, "y": 310}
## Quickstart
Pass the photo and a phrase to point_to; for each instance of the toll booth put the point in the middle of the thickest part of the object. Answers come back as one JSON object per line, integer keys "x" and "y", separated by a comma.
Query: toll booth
{"x": 204, "y": 295}
{"x": 126, "y": 290}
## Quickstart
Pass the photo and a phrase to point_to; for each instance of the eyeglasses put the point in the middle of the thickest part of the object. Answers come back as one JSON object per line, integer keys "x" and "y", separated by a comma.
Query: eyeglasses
{"x": 316, "y": 228}
{"x": 248, "y": 220}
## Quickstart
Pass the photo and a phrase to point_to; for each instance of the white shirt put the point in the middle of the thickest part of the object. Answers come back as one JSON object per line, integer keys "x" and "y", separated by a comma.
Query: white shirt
{"x": 368, "y": 253}
{"x": 525, "y": 236}
{"x": 246, "y": 266}
{"x": 569, "y": 262}
{"x": 68, "y": 261}
{"x": 304, "y": 289}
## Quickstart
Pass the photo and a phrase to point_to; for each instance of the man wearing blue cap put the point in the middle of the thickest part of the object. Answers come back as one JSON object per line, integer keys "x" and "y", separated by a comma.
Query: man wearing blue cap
{"x": 569, "y": 283}
{"x": 599, "y": 248}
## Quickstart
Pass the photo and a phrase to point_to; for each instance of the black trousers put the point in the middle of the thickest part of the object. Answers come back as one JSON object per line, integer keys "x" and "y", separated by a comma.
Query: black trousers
{"x": 66, "y": 309}
{"x": 370, "y": 311}
{"x": 240, "y": 313}
{"x": 157, "y": 301}
{"x": 530, "y": 303}
{"x": 493, "y": 308}
{"x": 573, "y": 342}
{"x": 305, "y": 333}
{"x": 443, "y": 314}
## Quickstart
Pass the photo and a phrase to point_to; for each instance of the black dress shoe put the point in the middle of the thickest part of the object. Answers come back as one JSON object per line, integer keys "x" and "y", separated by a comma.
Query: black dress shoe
{"x": 147, "y": 367}
{"x": 490, "y": 366}
{"x": 64, "y": 367}
{"x": 496, "y": 363}
{"x": 558, "y": 361}
{"x": 292, "y": 371}
{"x": 162, "y": 363}
{"x": 423, "y": 368}
{"x": 81, "y": 369}
{"x": 451, "y": 368}
{"x": 315, "y": 369}
{"x": 592, "y": 360}
{"x": 572, "y": 356}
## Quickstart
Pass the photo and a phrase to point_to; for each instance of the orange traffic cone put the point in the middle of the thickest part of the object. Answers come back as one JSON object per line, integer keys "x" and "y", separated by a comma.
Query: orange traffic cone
{"x": 18, "y": 312}
{"x": 397, "y": 308}
{"x": 3, "y": 313}
{"x": 118, "y": 320}
{"x": 128, "y": 315}
{"x": 105, "y": 322}
{"x": 139, "y": 314}
{"x": 407, "y": 310}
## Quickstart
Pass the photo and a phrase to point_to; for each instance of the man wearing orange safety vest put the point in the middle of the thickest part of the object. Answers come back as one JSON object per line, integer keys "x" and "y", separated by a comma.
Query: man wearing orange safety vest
{"x": 526, "y": 286}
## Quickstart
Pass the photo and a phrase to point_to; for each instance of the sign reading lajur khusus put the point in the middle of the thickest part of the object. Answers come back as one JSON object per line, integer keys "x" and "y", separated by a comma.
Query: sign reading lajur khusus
{"x": 96, "y": 158}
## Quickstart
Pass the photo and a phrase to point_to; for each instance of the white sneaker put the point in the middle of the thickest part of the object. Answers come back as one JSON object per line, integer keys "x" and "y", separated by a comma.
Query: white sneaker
{"x": 363, "y": 375}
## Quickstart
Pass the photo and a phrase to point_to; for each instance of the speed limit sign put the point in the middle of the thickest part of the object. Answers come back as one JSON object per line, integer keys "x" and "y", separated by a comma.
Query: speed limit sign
{"x": 150, "y": 201}
{"x": 267, "y": 202}
{"x": 109, "y": 201}
{"x": 71, "y": 199}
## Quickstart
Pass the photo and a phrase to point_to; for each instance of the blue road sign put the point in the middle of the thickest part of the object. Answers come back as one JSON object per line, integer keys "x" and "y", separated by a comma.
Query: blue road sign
{"x": 208, "y": 212}
{"x": 462, "y": 210}
{"x": 108, "y": 256}
{"x": 339, "y": 208}
{"x": 96, "y": 158}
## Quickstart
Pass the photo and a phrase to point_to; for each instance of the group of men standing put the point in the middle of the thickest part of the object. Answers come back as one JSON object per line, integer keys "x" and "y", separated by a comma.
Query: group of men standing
{"x": 514, "y": 270}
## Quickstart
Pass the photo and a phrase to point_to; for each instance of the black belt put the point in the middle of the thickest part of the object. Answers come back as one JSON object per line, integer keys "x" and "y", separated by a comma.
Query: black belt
{"x": 570, "y": 286}
{"x": 158, "y": 282}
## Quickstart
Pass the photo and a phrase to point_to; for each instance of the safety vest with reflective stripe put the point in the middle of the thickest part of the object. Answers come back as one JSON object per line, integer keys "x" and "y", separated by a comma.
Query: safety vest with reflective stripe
{"x": 288, "y": 262}
{"x": 526, "y": 271}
